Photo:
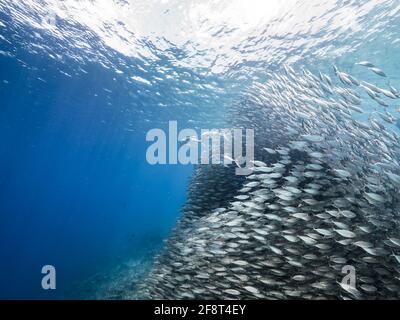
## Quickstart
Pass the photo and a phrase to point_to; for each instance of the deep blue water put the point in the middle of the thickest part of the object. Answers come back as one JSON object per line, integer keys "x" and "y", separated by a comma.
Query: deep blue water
{"x": 76, "y": 191}
{"x": 78, "y": 96}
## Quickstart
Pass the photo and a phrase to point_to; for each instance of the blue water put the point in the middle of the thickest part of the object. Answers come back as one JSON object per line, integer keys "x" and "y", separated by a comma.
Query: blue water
{"x": 76, "y": 189}
{"x": 80, "y": 90}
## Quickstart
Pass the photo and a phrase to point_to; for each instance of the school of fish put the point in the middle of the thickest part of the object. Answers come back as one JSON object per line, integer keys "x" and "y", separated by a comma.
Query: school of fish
{"x": 323, "y": 196}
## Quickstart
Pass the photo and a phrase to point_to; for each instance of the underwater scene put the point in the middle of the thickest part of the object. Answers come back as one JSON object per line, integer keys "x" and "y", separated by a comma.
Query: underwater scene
{"x": 199, "y": 149}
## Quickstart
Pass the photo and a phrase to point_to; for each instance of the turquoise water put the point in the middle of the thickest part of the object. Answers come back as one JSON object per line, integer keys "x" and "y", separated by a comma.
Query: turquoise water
{"x": 82, "y": 82}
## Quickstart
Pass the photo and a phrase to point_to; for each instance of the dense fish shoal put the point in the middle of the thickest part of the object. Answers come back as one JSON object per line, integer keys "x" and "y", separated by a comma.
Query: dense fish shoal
{"x": 323, "y": 196}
